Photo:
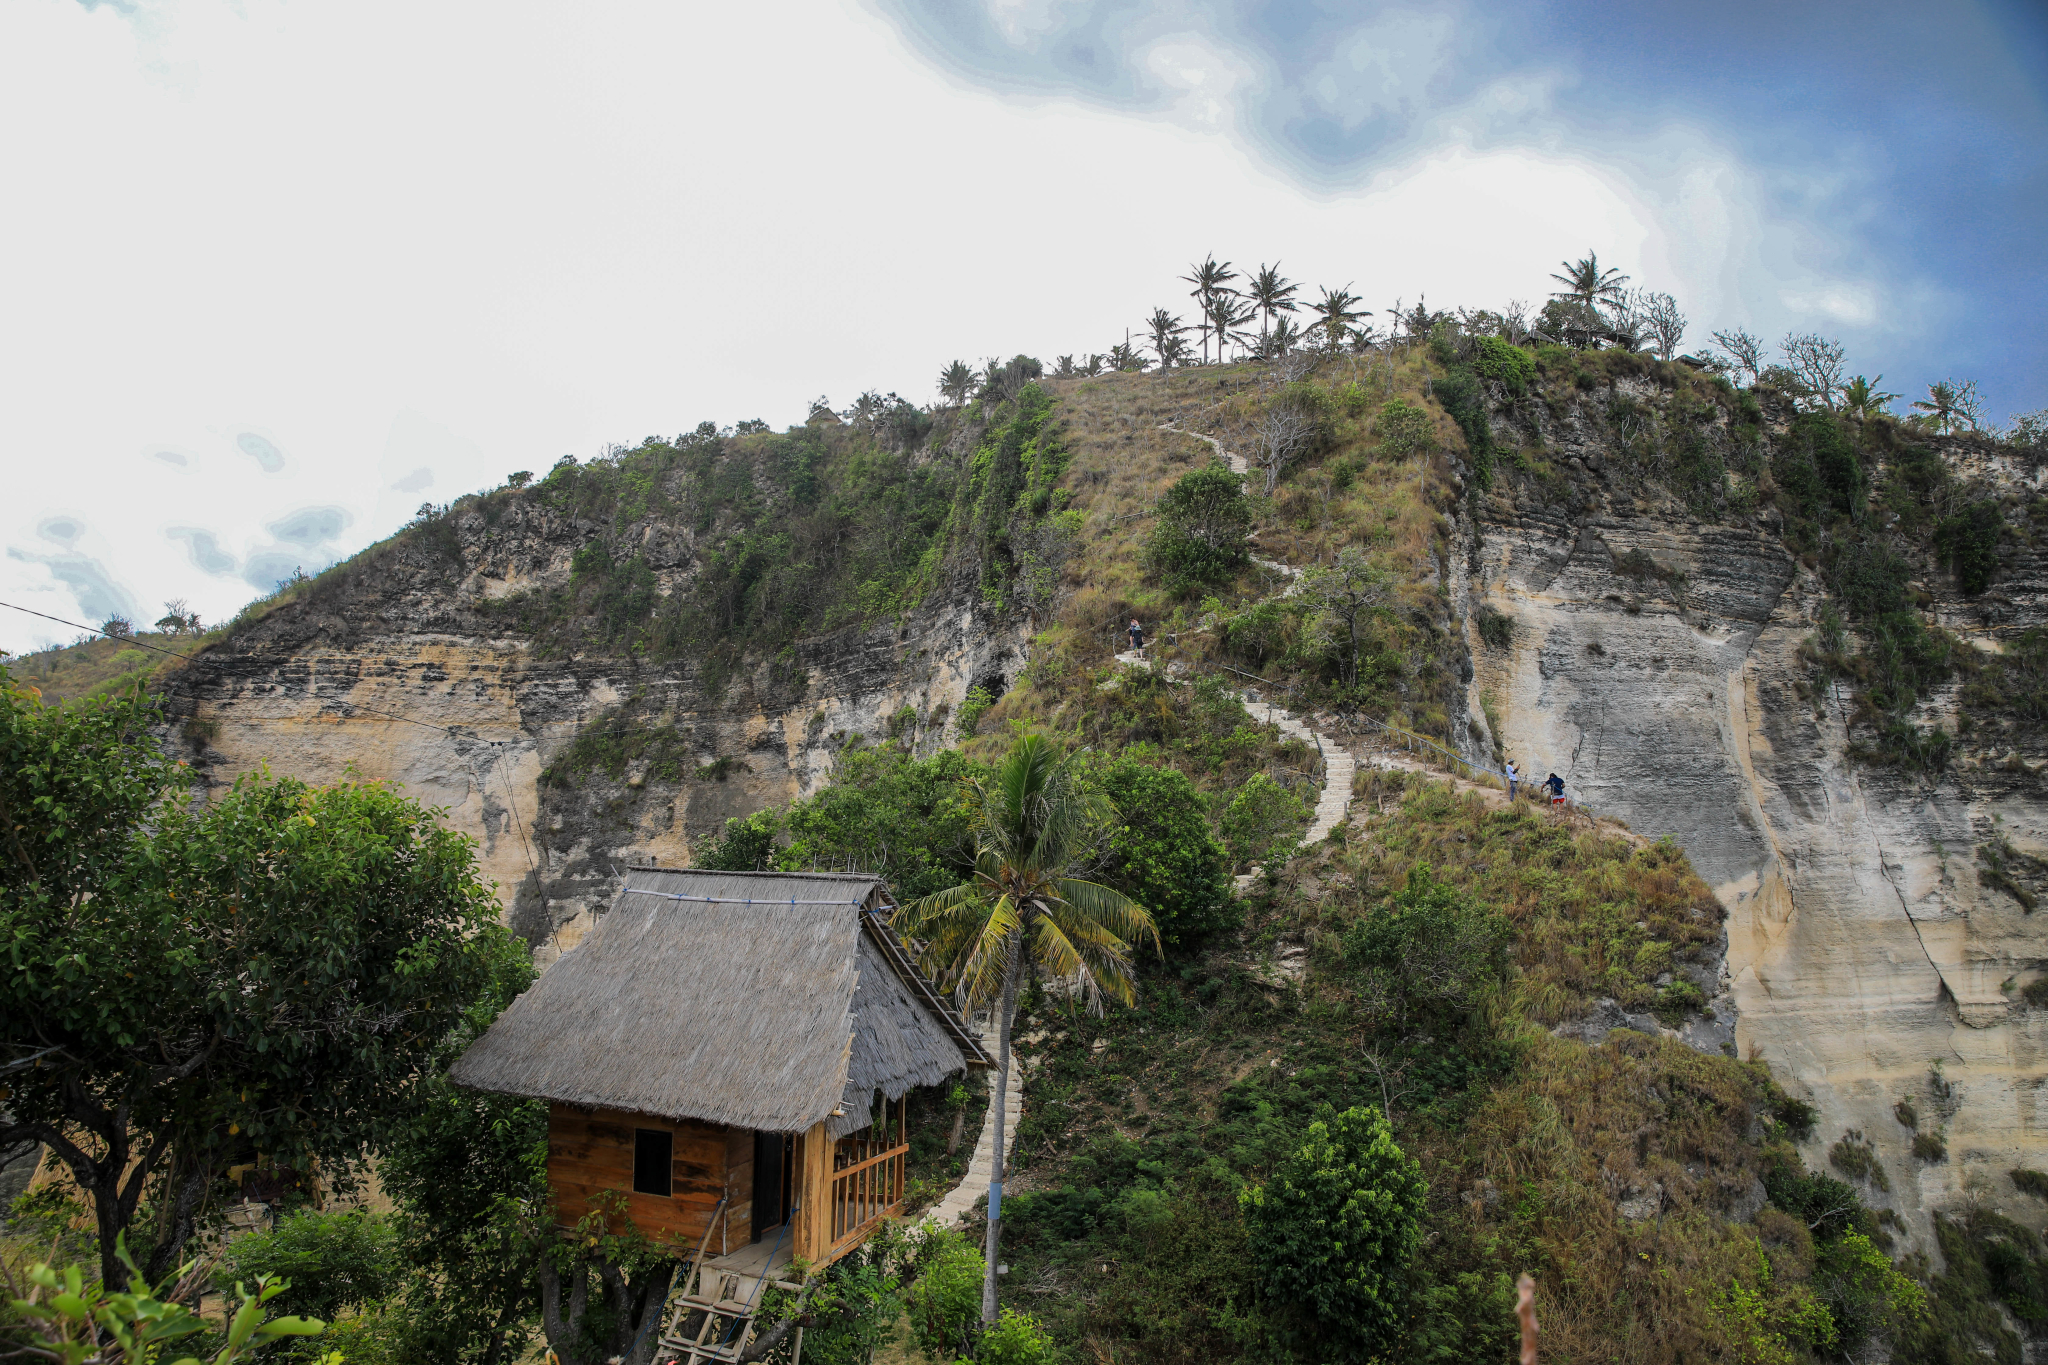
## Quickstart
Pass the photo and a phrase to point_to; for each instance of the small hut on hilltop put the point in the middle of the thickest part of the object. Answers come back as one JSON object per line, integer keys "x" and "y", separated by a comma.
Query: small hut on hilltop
{"x": 730, "y": 1051}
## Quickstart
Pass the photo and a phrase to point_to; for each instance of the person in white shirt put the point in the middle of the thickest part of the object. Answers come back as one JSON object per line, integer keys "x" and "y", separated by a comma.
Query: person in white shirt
{"x": 1514, "y": 777}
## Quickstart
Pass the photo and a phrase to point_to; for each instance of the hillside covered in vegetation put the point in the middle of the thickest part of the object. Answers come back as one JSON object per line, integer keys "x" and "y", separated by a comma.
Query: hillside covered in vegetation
{"x": 1508, "y": 986}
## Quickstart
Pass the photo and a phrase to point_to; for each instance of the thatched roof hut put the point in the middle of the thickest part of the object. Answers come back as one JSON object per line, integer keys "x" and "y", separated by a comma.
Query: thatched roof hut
{"x": 758, "y": 1000}
{"x": 775, "y": 1003}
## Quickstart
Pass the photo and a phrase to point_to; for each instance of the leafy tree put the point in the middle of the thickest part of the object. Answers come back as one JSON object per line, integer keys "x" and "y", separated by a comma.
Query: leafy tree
{"x": 1404, "y": 429}
{"x": 947, "y": 1295}
{"x": 1209, "y": 279}
{"x": 1167, "y": 331}
{"x": 1346, "y": 592}
{"x": 1336, "y": 1227}
{"x": 184, "y": 986}
{"x": 1949, "y": 407}
{"x": 1745, "y": 351}
{"x": 1817, "y": 361}
{"x": 1272, "y": 294}
{"x": 1864, "y": 1293}
{"x": 910, "y": 820}
{"x": 1034, "y": 821}
{"x": 748, "y": 845}
{"x": 956, "y": 382}
{"x": 1201, "y": 536}
{"x": 1336, "y": 313}
{"x": 1162, "y": 853}
{"x": 1504, "y": 363}
{"x": 468, "y": 1173}
{"x": 2028, "y": 430}
{"x": 1862, "y": 398}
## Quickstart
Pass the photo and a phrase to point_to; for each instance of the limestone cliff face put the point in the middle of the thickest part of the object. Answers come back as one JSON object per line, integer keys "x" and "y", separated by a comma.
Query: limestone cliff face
{"x": 1654, "y": 662}
{"x": 402, "y": 674}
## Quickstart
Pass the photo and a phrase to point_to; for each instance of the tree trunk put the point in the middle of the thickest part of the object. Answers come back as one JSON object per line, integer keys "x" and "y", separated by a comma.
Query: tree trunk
{"x": 959, "y": 1122}
{"x": 995, "y": 1177}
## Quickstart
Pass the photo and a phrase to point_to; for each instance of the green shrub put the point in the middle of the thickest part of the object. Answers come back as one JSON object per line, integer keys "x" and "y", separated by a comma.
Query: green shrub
{"x": 1864, "y": 1293}
{"x": 1677, "y": 1000}
{"x": 945, "y": 1302}
{"x": 1930, "y": 1147}
{"x": 1496, "y": 628}
{"x": 1423, "y": 956}
{"x": 1016, "y": 1339}
{"x": 2035, "y": 993}
{"x": 334, "y": 1261}
{"x": 2031, "y": 1182}
{"x": 972, "y": 706}
{"x": 1906, "y": 1114}
{"x": 1201, "y": 536}
{"x": 1162, "y": 853}
{"x": 1505, "y": 363}
{"x": 748, "y": 845}
{"x": 1968, "y": 543}
{"x": 1334, "y": 1230}
{"x": 1263, "y": 822}
{"x": 1856, "y": 1157}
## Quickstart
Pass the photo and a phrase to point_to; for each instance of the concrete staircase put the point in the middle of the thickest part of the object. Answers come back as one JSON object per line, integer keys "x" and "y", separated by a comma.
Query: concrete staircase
{"x": 961, "y": 1199}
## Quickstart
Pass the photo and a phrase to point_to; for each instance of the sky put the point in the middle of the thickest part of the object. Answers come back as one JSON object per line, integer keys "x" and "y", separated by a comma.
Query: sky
{"x": 280, "y": 271}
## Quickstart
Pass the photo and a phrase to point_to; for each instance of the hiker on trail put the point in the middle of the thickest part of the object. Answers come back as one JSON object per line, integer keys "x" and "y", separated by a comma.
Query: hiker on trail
{"x": 1514, "y": 777}
{"x": 1555, "y": 785}
{"x": 1137, "y": 633}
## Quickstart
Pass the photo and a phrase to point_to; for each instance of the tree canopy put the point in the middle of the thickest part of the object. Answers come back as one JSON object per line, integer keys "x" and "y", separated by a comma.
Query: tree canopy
{"x": 187, "y": 986}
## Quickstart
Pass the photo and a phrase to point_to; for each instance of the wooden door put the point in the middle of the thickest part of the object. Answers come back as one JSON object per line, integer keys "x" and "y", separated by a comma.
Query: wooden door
{"x": 772, "y": 1172}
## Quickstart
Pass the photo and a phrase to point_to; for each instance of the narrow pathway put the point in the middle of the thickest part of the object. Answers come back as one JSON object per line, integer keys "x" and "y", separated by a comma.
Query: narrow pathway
{"x": 1338, "y": 764}
{"x": 960, "y": 1200}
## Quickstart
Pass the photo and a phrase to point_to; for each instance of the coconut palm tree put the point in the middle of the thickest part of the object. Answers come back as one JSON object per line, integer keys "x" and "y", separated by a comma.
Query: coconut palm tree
{"x": 1208, "y": 279}
{"x": 1585, "y": 281}
{"x": 1862, "y": 398}
{"x": 1167, "y": 331}
{"x": 1034, "y": 822}
{"x": 956, "y": 381}
{"x": 1335, "y": 312}
{"x": 1272, "y": 293}
{"x": 1948, "y": 407}
{"x": 1228, "y": 313}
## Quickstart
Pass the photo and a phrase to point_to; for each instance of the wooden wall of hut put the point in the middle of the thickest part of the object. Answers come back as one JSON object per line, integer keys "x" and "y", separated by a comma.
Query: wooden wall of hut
{"x": 591, "y": 1152}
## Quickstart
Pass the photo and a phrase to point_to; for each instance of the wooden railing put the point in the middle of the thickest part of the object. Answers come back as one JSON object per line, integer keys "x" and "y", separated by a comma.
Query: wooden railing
{"x": 864, "y": 1192}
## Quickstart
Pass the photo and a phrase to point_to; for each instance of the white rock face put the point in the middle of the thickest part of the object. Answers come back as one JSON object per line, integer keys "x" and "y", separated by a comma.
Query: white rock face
{"x": 1864, "y": 950}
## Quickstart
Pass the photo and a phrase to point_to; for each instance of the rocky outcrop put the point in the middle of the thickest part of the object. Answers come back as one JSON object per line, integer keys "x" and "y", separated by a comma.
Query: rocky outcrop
{"x": 1654, "y": 661}
{"x": 402, "y": 673}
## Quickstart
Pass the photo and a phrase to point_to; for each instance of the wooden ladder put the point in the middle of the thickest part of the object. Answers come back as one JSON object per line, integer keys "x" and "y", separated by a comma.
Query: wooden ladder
{"x": 709, "y": 1325}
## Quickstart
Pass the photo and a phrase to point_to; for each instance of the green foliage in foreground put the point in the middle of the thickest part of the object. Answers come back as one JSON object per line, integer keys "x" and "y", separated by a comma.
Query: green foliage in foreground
{"x": 65, "y": 1317}
{"x": 269, "y": 972}
{"x": 1335, "y": 1229}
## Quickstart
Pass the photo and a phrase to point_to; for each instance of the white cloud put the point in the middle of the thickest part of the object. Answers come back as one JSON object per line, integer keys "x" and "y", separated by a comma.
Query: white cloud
{"x": 467, "y": 238}
{"x": 1201, "y": 82}
{"x": 1382, "y": 66}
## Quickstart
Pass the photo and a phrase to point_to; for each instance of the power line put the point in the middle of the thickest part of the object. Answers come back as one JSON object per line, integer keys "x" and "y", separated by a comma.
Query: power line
{"x": 172, "y": 653}
{"x": 340, "y": 701}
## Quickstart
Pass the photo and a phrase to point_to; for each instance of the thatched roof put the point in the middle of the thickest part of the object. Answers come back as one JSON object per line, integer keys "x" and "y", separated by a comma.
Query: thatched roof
{"x": 760, "y": 1000}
